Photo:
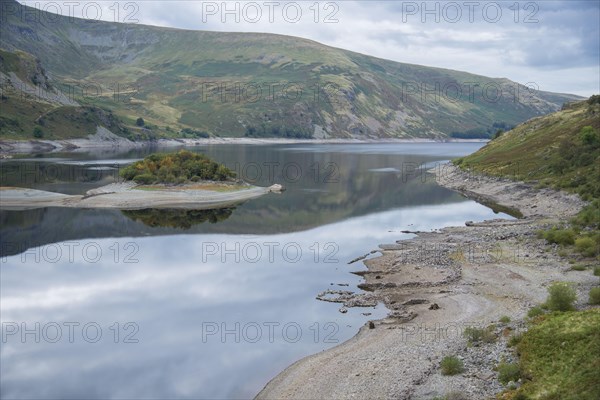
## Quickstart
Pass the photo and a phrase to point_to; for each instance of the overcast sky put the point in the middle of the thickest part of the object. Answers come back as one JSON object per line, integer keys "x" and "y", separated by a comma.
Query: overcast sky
{"x": 554, "y": 44}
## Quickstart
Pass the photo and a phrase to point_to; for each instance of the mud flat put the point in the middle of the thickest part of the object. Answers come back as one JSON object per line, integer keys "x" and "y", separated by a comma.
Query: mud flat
{"x": 435, "y": 285}
{"x": 129, "y": 196}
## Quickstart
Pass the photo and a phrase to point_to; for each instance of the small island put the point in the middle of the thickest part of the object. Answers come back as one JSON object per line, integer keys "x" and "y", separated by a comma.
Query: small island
{"x": 176, "y": 168}
{"x": 182, "y": 180}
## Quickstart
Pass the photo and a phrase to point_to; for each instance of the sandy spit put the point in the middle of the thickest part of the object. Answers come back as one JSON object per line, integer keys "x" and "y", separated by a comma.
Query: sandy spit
{"x": 435, "y": 285}
{"x": 129, "y": 196}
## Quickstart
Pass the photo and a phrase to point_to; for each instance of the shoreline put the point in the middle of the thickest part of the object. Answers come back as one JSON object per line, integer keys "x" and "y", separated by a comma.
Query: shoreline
{"x": 110, "y": 141}
{"x": 435, "y": 285}
{"x": 131, "y": 196}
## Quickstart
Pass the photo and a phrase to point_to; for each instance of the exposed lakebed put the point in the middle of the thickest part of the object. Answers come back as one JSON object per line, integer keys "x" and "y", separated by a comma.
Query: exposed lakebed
{"x": 196, "y": 304}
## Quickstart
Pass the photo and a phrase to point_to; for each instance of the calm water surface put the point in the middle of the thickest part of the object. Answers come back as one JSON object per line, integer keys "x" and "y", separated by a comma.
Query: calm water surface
{"x": 170, "y": 304}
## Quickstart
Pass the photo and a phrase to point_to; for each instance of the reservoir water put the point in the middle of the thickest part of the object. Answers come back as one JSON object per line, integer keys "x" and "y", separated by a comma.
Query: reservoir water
{"x": 104, "y": 304}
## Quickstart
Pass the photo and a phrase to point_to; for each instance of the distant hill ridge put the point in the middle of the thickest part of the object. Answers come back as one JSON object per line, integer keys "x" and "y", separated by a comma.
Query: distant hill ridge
{"x": 256, "y": 84}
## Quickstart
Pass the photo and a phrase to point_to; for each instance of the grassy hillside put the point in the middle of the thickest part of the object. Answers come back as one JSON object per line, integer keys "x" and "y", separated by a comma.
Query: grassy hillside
{"x": 561, "y": 150}
{"x": 559, "y": 357}
{"x": 33, "y": 108}
{"x": 230, "y": 84}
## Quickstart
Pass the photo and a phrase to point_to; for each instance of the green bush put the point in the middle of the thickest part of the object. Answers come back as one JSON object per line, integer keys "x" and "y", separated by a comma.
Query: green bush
{"x": 535, "y": 312}
{"x": 185, "y": 132}
{"x": 560, "y": 236}
{"x": 578, "y": 267}
{"x": 586, "y": 246}
{"x": 222, "y": 173}
{"x": 476, "y": 335}
{"x": 38, "y": 133}
{"x": 505, "y": 319}
{"x": 144, "y": 179}
{"x": 561, "y": 297}
{"x": 596, "y": 271}
{"x": 451, "y": 365}
{"x": 508, "y": 372}
{"x": 595, "y": 296}
{"x": 589, "y": 216}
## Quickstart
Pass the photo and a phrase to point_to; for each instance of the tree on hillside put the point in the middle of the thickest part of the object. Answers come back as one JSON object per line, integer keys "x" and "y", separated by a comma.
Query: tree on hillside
{"x": 140, "y": 121}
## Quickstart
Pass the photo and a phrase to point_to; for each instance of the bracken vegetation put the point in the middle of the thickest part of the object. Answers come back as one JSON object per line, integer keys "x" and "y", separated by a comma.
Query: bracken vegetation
{"x": 176, "y": 168}
{"x": 595, "y": 296}
{"x": 535, "y": 311}
{"x": 559, "y": 358}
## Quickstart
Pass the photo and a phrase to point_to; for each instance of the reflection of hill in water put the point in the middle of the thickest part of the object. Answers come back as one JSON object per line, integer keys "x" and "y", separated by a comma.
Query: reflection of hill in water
{"x": 310, "y": 201}
{"x": 295, "y": 210}
{"x": 183, "y": 219}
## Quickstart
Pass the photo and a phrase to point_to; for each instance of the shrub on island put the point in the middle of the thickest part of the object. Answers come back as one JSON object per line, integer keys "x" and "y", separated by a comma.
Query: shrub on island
{"x": 176, "y": 168}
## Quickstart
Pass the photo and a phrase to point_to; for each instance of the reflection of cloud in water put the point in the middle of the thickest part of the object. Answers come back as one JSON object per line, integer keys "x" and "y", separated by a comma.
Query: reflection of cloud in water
{"x": 70, "y": 161}
{"x": 95, "y": 162}
{"x": 308, "y": 190}
{"x": 384, "y": 170}
{"x": 101, "y": 168}
{"x": 426, "y": 149}
{"x": 179, "y": 284}
{"x": 182, "y": 281}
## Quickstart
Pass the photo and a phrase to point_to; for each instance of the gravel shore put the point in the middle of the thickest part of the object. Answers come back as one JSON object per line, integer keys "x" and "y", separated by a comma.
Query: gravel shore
{"x": 435, "y": 285}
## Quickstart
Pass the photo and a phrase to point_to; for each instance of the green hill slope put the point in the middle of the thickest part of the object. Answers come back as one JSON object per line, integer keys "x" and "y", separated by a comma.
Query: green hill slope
{"x": 229, "y": 84}
{"x": 561, "y": 149}
{"x": 34, "y": 108}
